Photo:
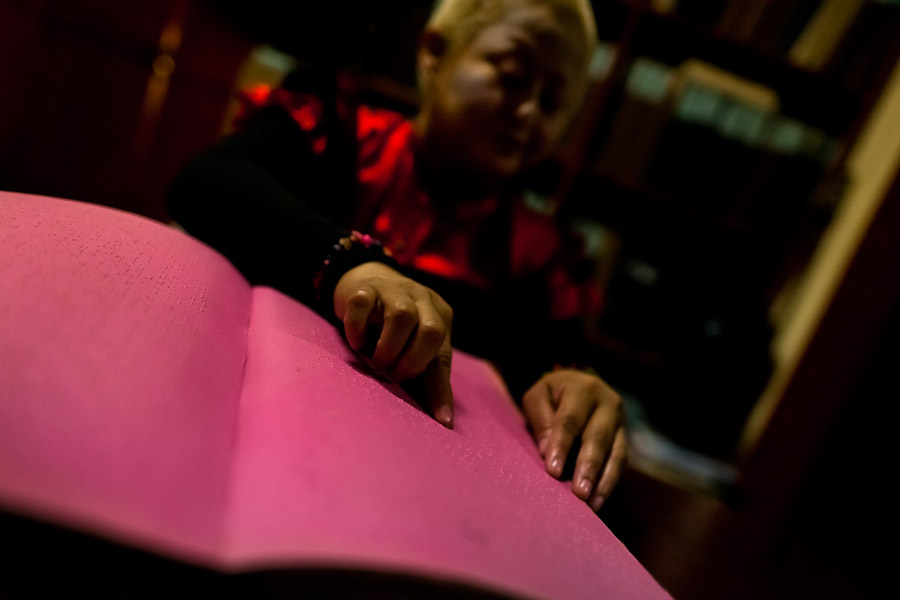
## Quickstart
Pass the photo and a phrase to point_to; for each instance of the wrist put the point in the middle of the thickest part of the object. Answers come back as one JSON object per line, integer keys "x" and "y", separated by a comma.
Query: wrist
{"x": 587, "y": 370}
{"x": 345, "y": 254}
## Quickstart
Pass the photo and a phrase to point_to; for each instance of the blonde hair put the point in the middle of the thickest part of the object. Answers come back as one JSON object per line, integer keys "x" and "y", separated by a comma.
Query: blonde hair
{"x": 459, "y": 21}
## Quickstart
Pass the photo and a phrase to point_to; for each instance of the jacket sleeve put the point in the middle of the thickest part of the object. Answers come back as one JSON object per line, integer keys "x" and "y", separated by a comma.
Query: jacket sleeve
{"x": 268, "y": 200}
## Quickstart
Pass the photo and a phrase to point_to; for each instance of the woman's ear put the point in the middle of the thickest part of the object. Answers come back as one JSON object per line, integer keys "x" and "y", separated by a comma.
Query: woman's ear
{"x": 432, "y": 50}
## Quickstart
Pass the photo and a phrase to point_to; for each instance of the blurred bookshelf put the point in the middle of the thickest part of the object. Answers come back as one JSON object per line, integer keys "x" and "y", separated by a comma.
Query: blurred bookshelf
{"x": 709, "y": 157}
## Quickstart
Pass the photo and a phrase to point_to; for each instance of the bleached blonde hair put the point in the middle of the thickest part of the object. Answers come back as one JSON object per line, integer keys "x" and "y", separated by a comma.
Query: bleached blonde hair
{"x": 459, "y": 21}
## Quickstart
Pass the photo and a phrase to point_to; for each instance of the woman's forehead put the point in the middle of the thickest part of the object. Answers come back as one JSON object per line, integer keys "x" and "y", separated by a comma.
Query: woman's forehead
{"x": 540, "y": 29}
{"x": 534, "y": 33}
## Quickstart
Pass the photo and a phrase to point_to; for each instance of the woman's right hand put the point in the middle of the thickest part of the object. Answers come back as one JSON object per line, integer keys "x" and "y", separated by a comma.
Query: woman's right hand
{"x": 414, "y": 322}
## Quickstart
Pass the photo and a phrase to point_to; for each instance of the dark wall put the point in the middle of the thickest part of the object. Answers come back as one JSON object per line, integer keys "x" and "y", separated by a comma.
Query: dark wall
{"x": 97, "y": 107}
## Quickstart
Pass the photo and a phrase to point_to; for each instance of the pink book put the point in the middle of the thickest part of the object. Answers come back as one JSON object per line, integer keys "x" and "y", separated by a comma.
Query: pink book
{"x": 150, "y": 396}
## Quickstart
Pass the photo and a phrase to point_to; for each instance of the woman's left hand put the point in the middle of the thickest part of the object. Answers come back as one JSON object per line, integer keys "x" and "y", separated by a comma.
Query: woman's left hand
{"x": 568, "y": 404}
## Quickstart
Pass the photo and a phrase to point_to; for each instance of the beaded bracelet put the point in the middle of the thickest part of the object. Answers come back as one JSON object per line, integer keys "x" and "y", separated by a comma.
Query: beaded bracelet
{"x": 345, "y": 245}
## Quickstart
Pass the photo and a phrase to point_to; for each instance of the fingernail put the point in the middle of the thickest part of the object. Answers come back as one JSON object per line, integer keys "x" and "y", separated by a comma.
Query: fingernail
{"x": 584, "y": 486}
{"x": 444, "y": 415}
{"x": 556, "y": 466}
{"x": 597, "y": 502}
{"x": 542, "y": 445}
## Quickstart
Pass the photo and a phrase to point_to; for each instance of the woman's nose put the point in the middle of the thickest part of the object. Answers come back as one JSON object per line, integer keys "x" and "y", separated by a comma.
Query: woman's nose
{"x": 529, "y": 105}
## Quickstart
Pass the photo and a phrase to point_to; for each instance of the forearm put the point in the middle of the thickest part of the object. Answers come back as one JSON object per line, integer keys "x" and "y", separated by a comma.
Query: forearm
{"x": 269, "y": 235}
{"x": 258, "y": 198}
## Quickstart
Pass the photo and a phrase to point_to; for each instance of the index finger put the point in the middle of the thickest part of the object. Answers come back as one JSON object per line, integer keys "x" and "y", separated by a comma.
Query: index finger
{"x": 568, "y": 423}
{"x": 596, "y": 447}
{"x": 537, "y": 404}
{"x": 437, "y": 385}
{"x": 612, "y": 472}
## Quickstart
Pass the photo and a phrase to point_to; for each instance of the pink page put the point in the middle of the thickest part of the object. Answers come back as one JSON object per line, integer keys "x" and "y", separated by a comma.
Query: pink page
{"x": 122, "y": 346}
{"x": 335, "y": 468}
{"x": 122, "y": 411}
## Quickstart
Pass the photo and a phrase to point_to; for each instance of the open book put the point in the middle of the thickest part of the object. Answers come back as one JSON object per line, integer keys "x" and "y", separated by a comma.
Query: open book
{"x": 149, "y": 395}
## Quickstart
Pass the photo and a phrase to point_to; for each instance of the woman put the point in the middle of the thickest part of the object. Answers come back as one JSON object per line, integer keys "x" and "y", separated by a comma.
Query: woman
{"x": 286, "y": 197}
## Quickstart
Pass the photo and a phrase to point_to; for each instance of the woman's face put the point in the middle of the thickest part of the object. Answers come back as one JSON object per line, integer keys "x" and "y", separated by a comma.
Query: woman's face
{"x": 498, "y": 104}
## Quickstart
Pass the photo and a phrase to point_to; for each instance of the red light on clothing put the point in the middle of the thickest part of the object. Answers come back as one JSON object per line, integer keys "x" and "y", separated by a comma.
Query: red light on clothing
{"x": 382, "y": 223}
{"x": 258, "y": 93}
{"x": 437, "y": 265}
{"x": 307, "y": 116}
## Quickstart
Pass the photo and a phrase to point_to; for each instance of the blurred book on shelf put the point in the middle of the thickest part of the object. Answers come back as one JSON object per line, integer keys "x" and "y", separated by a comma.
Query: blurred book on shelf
{"x": 713, "y": 141}
{"x": 780, "y": 25}
{"x": 769, "y": 26}
{"x": 793, "y": 158}
{"x": 740, "y": 18}
{"x": 642, "y": 114}
{"x": 602, "y": 61}
{"x": 707, "y": 145}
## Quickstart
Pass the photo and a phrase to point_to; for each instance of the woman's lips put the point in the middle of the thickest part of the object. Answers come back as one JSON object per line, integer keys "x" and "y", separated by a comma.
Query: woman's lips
{"x": 511, "y": 141}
